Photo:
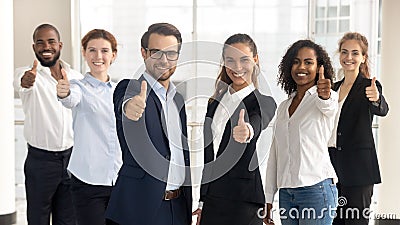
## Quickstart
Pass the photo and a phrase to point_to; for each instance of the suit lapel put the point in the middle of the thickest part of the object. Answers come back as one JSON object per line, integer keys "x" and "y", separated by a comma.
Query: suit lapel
{"x": 152, "y": 96}
{"x": 180, "y": 104}
{"x": 230, "y": 123}
{"x": 356, "y": 90}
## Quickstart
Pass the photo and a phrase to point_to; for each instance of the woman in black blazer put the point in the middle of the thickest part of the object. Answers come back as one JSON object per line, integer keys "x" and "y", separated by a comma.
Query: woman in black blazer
{"x": 352, "y": 147}
{"x": 232, "y": 190}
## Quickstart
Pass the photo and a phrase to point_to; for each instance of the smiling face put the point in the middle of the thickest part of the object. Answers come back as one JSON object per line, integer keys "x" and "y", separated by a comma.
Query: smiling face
{"x": 99, "y": 56}
{"x": 351, "y": 56}
{"x": 304, "y": 68}
{"x": 47, "y": 47}
{"x": 239, "y": 64}
{"x": 162, "y": 68}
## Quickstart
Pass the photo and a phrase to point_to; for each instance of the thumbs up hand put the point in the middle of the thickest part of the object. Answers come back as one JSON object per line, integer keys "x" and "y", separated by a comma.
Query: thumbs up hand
{"x": 323, "y": 85}
{"x": 372, "y": 92}
{"x": 28, "y": 79}
{"x": 63, "y": 85}
{"x": 135, "y": 107}
{"x": 241, "y": 132}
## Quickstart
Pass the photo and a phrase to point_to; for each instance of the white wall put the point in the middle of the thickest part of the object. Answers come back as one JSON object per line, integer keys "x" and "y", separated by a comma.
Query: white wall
{"x": 7, "y": 173}
{"x": 389, "y": 136}
{"x": 28, "y": 15}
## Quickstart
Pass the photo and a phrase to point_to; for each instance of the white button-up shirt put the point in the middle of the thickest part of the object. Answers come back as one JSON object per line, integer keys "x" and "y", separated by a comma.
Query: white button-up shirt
{"x": 299, "y": 152}
{"x": 332, "y": 140}
{"x": 176, "y": 173}
{"x": 224, "y": 111}
{"x": 47, "y": 125}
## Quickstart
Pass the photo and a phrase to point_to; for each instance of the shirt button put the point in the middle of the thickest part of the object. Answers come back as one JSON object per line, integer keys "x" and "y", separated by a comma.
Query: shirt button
{"x": 339, "y": 133}
{"x": 167, "y": 157}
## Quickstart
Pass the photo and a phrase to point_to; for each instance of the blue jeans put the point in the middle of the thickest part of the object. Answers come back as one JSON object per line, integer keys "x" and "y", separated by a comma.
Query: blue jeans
{"x": 311, "y": 205}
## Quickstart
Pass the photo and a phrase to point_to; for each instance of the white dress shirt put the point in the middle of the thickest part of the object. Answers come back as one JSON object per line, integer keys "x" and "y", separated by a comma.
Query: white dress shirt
{"x": 176, "y": 173}
{"x": 299, "y": 152}
{"x": 224, "y": 111}
{"x": 47, "y": 125}
{"x": 332, "y": 140}
{"x": 97, "y": 156}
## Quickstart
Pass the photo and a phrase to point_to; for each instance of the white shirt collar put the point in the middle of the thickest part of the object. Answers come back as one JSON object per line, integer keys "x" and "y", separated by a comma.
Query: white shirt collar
{"x": 241, "y": 94}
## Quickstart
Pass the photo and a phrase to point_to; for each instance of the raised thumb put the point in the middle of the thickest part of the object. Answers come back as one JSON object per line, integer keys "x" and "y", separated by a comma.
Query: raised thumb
{"x": 241, "y": 121}
{"x": 321, "y": 72}
{"x": 373, "y": 82}
{"x": 143, "y": 89}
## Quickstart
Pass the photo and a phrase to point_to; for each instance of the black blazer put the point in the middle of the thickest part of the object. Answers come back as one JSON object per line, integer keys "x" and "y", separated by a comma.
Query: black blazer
{"x": 142, "y": 179}
{"x": 354, "y": 158}
{"x": 235, "y": 174}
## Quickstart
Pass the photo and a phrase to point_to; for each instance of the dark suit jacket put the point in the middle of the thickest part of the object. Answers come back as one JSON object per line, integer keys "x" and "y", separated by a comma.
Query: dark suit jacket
{"x": 141, "y": 183}
{"x": 235, "y": 174}
{"x": 355, "y": 159}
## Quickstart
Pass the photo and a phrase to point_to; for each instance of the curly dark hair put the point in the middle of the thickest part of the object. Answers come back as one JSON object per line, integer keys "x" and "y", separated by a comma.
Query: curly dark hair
{"x": 285, "y": 67}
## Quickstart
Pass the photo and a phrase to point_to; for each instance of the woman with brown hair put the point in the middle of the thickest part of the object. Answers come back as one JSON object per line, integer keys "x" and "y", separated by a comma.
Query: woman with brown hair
{"x": 232, "y": 190}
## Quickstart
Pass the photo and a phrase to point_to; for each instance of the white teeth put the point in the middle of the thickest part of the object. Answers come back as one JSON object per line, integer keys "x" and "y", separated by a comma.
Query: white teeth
{"x": 348, "y": 63}
{"x": 161, "y": 68}
{"x": 238, "y": 74}
{"x": 301, "y": 74}
{"x": 98, "y": 63}
{"x": 46, "y": 53}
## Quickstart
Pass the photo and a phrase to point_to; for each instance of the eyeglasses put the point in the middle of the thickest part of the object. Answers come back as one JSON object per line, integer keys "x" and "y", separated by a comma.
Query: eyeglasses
{"x": 157, "y": 54}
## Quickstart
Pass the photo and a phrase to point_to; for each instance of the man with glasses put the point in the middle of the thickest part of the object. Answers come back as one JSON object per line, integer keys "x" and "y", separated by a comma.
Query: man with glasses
{"x": 47, "y": 130}
{"x": 153, "y": 186}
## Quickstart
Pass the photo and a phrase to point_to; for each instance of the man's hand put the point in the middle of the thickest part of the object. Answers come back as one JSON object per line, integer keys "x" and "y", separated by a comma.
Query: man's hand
{"x": 241, "y": 132}
{"x": 63, "y": 85}
{"x": 323, "y": 85}
{"x": 135, "y": 107}
{"x": 28, "y": 79}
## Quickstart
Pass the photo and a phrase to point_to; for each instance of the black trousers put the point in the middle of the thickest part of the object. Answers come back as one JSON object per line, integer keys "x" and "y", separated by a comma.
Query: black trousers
{"x": 227, "y": 212}
{"x": 89, "y": 201}
{"x": 47, "y": 186}
{"x": 170, "y": 212}
{"x": 354, "y": 205}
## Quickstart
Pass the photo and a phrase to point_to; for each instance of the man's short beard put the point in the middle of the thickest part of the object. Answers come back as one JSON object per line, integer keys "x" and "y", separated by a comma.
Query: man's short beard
{"x": 45, "y": 63}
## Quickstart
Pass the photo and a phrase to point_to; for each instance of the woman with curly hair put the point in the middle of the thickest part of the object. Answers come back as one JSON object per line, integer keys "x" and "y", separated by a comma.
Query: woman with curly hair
{"x": 299, "y": 164}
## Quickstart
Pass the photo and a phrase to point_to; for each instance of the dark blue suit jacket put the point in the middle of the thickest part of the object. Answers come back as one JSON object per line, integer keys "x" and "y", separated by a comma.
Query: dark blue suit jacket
{"x": 354, "y": 159}
{"x": 235, "y": 174}
{"x": 142, "y": 180}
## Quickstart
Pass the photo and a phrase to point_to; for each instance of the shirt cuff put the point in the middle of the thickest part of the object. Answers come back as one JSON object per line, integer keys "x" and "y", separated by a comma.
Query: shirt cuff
{"x": 123, "y": 106}
{"x": 200, "y": 205}
{"x": 269, "y": 198}
{"x": 65, "y": 100}
{"x": 251, "y": 132}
